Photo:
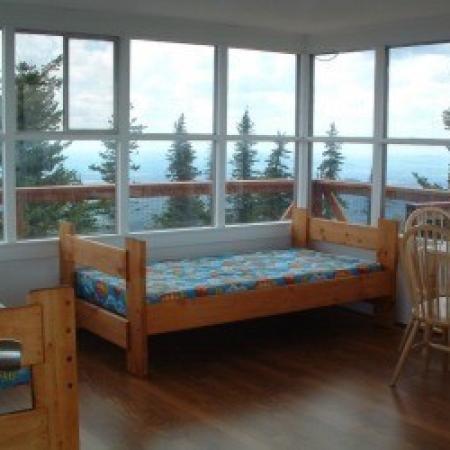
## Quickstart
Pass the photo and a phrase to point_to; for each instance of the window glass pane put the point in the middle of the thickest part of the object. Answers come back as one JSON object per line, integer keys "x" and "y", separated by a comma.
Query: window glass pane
{"x": 419, "y": 91}
{"x": 416, "y": 176}
{"x": 39, "y": 78}
{"x": 91, "y": 84}
{"x": 344, "y": 93}
{"x": 262, "y": 83}
{"x": 341, "y": 186}
{"x": 169, "y": 79}
{"x": 71, "y": 181}
{"x": 260, "y": 184}
{"x": 170, "y": 185}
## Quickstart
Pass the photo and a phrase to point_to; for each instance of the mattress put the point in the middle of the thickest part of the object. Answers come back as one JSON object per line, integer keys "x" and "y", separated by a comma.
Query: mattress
{"x": 209, "y": 276}
{"x": 12, "y": 379}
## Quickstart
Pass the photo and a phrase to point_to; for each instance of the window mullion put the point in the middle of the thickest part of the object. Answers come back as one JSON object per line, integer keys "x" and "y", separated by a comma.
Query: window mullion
{"x": 303, "y": 127}
{"x": 9, "y": 117}
{"x": 220, "y": 129}
{"x": 122, "y": 65}
{"x": 379, "y": 148}
{"x": 65, "y": 84}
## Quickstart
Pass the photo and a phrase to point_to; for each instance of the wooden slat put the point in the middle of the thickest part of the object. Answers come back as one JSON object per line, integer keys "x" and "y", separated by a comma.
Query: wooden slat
{"x": 24, "y": 324}
{"x": 300, "y": 227}
{"x": 55, "y": 381}
{"x": 360, "y": 236}
{"x": 66, "y": 263}
{"x": 387, "y": 246}
{"x": 106, "y": 258}
{"x": 24, "y": 431}
{"x": 137, "y": 353}
{"x": 184, "y": 314}
{"x": 103, "y": 323}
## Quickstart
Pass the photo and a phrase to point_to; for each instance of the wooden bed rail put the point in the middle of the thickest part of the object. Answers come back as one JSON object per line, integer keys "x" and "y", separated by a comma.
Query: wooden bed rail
{"x": 46, "y": 329}
{"x": 128, "y": 263}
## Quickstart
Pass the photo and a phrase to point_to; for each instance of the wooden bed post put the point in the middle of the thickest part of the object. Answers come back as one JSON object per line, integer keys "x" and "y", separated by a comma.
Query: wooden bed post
{"x": 66, "y": 262}
{"x": 387, "y": 255}
{"x": 300, "y": 227}
{"x": 55, "y": 381}
{"x": 137, "y": 349}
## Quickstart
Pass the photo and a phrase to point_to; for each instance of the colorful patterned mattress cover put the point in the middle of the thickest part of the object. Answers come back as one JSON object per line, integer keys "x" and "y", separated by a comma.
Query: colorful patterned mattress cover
{"x": 15, "y": 378}
{"x": 199, "y": 277}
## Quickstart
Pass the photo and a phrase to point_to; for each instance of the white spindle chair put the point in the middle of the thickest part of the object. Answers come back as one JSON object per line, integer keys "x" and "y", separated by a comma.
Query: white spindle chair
{"x": 426, "y": 260}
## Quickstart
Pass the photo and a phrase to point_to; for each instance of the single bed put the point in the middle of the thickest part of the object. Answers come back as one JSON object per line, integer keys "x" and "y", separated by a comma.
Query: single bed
{"x": 45, "y": 329}
{"x": 123, "y": 300}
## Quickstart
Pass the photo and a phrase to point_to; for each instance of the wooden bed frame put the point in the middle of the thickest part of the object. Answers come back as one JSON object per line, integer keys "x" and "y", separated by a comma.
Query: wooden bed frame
{"x": 46, "y": 330}
{"x": 142, "y": 319}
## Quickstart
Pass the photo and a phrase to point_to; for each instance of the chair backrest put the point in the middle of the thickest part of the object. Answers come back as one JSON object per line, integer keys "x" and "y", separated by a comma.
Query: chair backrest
{"x": 426, "y": 257}
{"x": 430, "y": 215}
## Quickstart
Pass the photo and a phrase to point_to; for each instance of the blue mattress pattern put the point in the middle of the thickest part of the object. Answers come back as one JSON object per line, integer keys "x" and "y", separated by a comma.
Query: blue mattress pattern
{"x": 193, "y": 278}
{"x": 12, "y": 379}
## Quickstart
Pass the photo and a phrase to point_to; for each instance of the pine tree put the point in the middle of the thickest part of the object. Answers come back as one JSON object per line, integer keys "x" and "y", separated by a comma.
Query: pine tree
{"x": 243, "y": 207}
{"x": 42, "y": 163}
{"x": 273, "y": 205}
{"x": 107, "y": 168}
{"x": 424, "y": 181}
{"x": 330, "y": 167}
{"x": 186, "y": 210}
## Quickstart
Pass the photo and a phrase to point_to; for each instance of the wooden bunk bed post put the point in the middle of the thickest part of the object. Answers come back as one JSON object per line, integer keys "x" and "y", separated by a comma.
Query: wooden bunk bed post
{"x": 387, "y": 255}
{"x": 300, "y": 227}
{"x": 137, "y": 348}
{"x": 66, "y": 260}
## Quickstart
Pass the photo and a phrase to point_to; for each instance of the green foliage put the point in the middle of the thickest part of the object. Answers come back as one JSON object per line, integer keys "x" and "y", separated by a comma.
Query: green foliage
{"x": 273, "y": 205}
{"x": 243, "y": 207}
{"x": 333, "y": 159}
{"x": 424, "y": 181}
{"x": 42, "y": 163}
{"x": 186, "y": 210}
{"x": 330, "y": 167}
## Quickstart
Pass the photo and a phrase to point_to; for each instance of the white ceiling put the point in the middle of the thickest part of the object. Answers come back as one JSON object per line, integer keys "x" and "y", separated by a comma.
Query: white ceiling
{"x": 300, "y": 16}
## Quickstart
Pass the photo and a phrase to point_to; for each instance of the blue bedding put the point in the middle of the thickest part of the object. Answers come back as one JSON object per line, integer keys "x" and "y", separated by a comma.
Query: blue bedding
{"x": 12, "y": 379}
{"x": 199, "y": 277}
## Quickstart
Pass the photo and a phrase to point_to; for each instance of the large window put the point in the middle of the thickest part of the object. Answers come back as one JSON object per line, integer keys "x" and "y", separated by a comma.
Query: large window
{"x": 419, "y": 91}
{"x": 343, "y": 108}
{"x": 419, "y": 107}
{"x": 91, "y": 84}
{"x": 260, "y": 181}
{"x": 341, "y": 181}
{"x": 262, "y": 84}
{"x": 41, "y": 82}
{"x": 168, "y": 80}
{"x": 170, "y": 184}
{"x": 62, "y": 180}
{"x": 344, "y": 93}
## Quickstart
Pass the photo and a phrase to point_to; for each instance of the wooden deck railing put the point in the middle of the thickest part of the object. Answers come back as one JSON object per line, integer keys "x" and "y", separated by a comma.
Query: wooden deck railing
{"x": 322, "y": 190}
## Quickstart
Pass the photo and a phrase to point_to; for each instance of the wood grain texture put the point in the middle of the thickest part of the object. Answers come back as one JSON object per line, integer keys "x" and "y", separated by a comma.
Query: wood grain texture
{"x": 332, "y": 231}
{"x": 55, "y": 380}
{"x": 24, "y": 431}
{"x": 66, "y": 262}
{"x": 105, "y": 324}
{"x": 299, "y": 227}
{"x": 106, "y": 258}
{"x": 24, "y": 325}
{"x": 137, "y": 351}
{"x": 315, "y": 380}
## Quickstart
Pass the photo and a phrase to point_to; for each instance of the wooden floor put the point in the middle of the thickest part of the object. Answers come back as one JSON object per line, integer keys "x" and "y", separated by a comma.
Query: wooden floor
{"x": 316, "y": 380}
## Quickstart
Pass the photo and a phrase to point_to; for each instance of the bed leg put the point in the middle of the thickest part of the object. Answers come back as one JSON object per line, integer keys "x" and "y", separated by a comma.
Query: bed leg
{"x": 137, "y": 348}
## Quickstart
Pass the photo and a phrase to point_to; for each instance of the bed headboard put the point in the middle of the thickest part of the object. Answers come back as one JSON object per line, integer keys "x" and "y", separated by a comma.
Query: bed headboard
{"x": 383, "y": 239}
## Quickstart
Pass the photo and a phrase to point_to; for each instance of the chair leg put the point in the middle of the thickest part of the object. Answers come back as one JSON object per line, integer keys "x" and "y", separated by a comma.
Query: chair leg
{"x": 427, "y": 333}
{"x": 405, "y": 335}
{"x": 406, "y": 349}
